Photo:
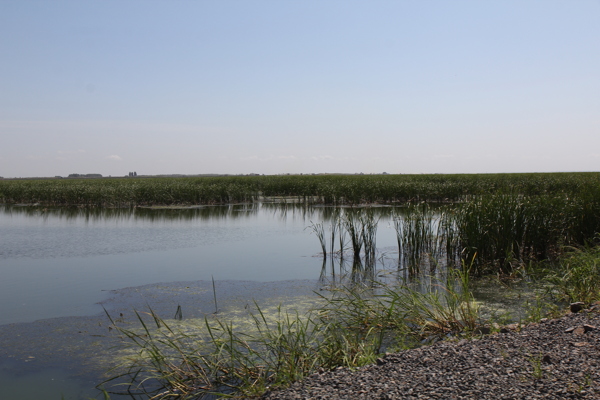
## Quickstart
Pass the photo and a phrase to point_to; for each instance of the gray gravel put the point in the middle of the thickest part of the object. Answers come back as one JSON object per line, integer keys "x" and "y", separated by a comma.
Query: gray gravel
{"x": 555, "y": 359}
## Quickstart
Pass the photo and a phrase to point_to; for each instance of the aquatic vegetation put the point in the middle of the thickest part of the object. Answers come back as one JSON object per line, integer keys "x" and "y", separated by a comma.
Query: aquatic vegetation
{"x": 577, "y": 276}
{"x": 351, "y": 328}
{"x": 501, "y": 233}
{"x": 417, "y": 236}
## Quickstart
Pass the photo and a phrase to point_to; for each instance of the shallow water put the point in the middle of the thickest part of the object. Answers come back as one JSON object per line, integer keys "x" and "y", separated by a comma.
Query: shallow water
{"x": 60, "y": 267}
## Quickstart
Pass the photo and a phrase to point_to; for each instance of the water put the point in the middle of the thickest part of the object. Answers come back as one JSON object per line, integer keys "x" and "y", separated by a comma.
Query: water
{"x": 58, "y": 265}
{"x": 61, "y": 268}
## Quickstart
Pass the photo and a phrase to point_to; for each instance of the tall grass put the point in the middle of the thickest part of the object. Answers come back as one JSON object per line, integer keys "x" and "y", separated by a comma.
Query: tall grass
{"x": 417, "y": 236}
{"x": 500, "y": 232}
{"x": 506, "y": 231}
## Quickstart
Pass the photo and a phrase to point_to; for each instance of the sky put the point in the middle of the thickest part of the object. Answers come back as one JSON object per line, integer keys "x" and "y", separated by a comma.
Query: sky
{"x": 310, "y": 86}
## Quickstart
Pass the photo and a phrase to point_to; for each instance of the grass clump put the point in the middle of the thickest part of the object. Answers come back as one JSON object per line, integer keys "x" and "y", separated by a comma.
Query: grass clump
{"x": 353, "y": 327}
{"x": 577, "y": 276}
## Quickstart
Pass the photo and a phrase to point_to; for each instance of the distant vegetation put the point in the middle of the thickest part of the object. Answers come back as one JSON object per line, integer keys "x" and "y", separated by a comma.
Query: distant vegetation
{"x": 315, "y": 189}
{"x": 85, "y": 175}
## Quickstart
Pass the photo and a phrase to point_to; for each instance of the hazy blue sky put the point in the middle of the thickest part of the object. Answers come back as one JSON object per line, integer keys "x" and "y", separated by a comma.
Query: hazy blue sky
{"x": 301, "y": 86}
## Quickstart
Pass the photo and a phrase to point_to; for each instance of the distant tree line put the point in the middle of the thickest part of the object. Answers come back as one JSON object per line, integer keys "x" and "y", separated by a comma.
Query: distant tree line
{"x": 85, "y": 175}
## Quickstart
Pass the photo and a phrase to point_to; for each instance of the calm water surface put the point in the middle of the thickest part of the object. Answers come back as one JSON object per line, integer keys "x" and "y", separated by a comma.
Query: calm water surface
{"x": 57, "y": 265}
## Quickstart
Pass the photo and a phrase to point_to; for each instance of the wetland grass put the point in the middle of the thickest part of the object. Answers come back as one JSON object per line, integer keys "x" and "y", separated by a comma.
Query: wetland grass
{"x": 316, "y": 189}
{"x": 352, "y": 328}
{"x": 576, "y": 277}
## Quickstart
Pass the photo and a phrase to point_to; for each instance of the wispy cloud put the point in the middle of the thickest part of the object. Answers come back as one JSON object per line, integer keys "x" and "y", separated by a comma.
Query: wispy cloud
{"x": 69, "y": 152}
{"x": 114, "y": 157}
{"x": 269, "y": 158}
{"x": 328, "y": 157}
{"x": 317, "y": 158}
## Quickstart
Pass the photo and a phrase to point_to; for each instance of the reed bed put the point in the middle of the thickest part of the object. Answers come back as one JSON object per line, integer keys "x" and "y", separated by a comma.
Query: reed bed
{"x": 500, "y": 233}
{"x": 317, "y": 189}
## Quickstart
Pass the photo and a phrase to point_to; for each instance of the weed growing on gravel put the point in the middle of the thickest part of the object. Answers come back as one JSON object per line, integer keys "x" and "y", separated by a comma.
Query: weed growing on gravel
{"x": 536, "y": 363}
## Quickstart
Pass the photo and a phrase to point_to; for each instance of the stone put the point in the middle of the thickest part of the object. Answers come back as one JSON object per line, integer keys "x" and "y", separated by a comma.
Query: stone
{"x": 546, "y": 359}
{"x": 482, "y": 330}
{"x": 577, "y": 306}
{"x": 513, "y": 327}
{"x": 580, "y": 330}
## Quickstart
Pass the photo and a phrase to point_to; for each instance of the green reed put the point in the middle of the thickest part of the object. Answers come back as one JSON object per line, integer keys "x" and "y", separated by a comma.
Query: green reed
{"x": 500, "y": 232}
{"x": 416, "y": 235}
{"x": 319, "y": 231}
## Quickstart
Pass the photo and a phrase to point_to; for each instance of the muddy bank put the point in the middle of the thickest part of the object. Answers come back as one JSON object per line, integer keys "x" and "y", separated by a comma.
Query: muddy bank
{"x": 555, "y": 359}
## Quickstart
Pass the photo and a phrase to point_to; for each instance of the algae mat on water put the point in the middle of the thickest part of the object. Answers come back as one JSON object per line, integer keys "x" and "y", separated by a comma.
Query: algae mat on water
{"x": 85, "y": 348}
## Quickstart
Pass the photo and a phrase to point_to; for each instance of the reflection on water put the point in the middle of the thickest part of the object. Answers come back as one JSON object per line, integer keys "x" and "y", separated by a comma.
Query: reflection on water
{"x": 233, "y": 211}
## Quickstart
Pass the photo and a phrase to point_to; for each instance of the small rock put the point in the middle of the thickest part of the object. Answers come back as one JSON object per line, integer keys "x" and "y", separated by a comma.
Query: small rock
{"x": 589, "y": 328}
{"x": 570, "y": 330}
{"x": 381, "y": 361}
{"x": 546, "y": 359}
{"x": 576, "y": 307}
{"x": 580, "y": 330}
{"x": 482, "y": 330}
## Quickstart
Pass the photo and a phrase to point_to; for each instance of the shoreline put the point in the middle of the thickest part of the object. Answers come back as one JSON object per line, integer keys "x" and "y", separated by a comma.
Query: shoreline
{"x": 553, "y": 359}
